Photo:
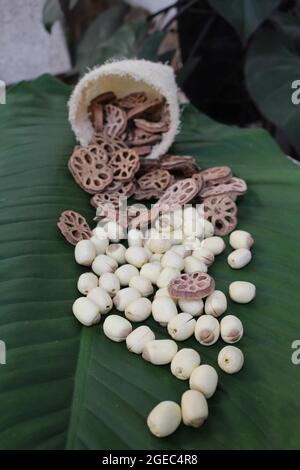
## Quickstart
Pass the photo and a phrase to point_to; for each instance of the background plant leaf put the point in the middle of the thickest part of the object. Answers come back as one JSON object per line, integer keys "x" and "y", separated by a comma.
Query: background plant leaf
{"x": 90, "y": 47}
{"x": 244, "y": 15}
{"x": 52, "y": 12}
{"x": 270, "y": 70}
{"x": 67, "y": 386}
{"x": 287, "y": 24}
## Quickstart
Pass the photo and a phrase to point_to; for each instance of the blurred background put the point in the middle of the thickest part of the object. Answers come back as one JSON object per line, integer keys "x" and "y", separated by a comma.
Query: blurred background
{"x": 235, "y": 60}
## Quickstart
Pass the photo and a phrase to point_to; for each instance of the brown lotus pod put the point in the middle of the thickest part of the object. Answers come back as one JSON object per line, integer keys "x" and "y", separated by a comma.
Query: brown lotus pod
{"x": 140, "y": 137}
{"x": 233, "y": 187}
{"x": 184, "y": 166}
{"x": 216, "y": 175}
{"x": 148, "y": 106}
{"x": 89, "y": 169}
{"x": 74, "y": 227}
{"x": 147, "y": 164}
{"x": 109, "y": 145}
{"x": 101, "y": 199}
{"x": 196, "y": 285}
{"x": 151, "y": 127}
{"x": 143, "y": 151}
{"x": 124, "y": 164}
{"x": 103, "y": 98}
{"x": 198, "y": 177}
{"x": 179, "y": 193}
{"x": 96, "y": 116}
{"x": 115, "y": 120}
{"x": 155, "y": 179}
{"x": 221, "y": 211}
{"x": 132, "y": 100}
{"x": 146, "y": 194}
{"x": 121, "y": 188}
{"x": 141, "y": 219}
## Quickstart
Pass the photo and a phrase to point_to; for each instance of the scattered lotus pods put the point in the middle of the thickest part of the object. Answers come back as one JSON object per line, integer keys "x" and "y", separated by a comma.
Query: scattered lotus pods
{"x": 192, "y": 286}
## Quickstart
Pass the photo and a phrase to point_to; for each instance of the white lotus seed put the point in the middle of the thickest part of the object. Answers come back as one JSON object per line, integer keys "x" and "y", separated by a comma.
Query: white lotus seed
{"x": 151, "y": 271}
{"x": 176, "y": 237}
{"x": 110, "y": 282}
{"x": 125, "y": 273}
{"x": 85, "y": 252}
{"x": 191, "y": 306}
{"x": 86, "y": 282}
{"x": 86, "y": 311}
{"x": 137, "y": 256}
{"x": 163, "y": 310}
{"x": 215, "y": 244}
{"x": 203, "y": 254}
{"x": 166, "y": 276}
{"x": 208, "y": 229}
{"x": 231, "y": 359}
{"x": 242, "y": 292}
{"x": 149, "y": 252}
{"x": 191, "y": 243}
{"x": 155, "y": 258}
{"x": 184, "y": 362}
{"x": 163, "y": 292}
{"x": 172, "y": 260}
{"x": 142, "y": 284}
{"x": 100, "y": 244}
{"x": 138, "y": 310}
{"x": 216, "y": 303}
{"x": 194, "y": 408}
{"x": 159, "y": 245}
{"x": 241, "y": 239}
{"x": 117, "y": 328}
{"x": 182, "y": 326}
{"x": 239, "y": 258}
{"x": 117, "y": 252}
{"x": 135, "y": 237}
{"x": 231, "y": 329}
{"x": 160, "y": 351}
{"x": 138, "y": 338}
{"x": 181, "y": 250}
{"x": 101, "y": 298}
{"x": 192, "y": 264}
{"x": 104, "y": 264}
{"x": 100, "y": 232}
{"x": 194, "y": 228}
{"x": 207, "y": 330}
{"x": 204, "y": 379}
{"x": 164, "y": 419}
{"x": 124, "y": 297}
{"x": 115, "y": 231}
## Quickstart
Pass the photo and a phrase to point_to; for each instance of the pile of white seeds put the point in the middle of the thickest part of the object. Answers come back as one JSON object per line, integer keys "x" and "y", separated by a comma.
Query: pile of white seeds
{"x": 126, "y": 277}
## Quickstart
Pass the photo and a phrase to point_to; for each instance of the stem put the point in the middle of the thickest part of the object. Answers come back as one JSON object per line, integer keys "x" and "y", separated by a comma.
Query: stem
{"x": 179, "y": 12}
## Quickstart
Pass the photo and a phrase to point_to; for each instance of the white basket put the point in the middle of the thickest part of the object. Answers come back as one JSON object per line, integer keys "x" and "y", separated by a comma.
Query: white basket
{"x": 124, "y": 77}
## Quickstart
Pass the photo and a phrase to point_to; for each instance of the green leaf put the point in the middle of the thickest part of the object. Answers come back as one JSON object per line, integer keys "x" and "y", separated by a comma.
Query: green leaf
{"x": 287, "y": 24}
{"x": 270, "y": 70}
{"x": 244, "y": 15}
{"x": 68, "y": 386}
{"x": 72, "y": 4}
{"x": 52, "y": 12}
{"x": 150, "y": 46}
{"x": 99, "y": 31}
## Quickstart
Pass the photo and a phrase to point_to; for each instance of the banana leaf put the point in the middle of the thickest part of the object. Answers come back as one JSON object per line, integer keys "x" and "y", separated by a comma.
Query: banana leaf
{"x": 65, "y": 386}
